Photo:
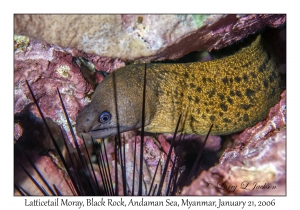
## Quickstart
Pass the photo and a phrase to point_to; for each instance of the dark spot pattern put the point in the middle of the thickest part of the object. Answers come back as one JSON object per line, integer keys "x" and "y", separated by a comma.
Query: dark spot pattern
{"x": 237, "y": 79}
{"x": 246, "y": 106}
{"x": 212, "y": 118}
{"x": 252, "y": 74}
{"x": 224, "y": 107}
{"x": 193, "y": 119}
{"x": 221, "y": 96}
{"x": 211, "y": 103}
{"x": 198, "y": 89}
{"x": 230, "y": 80}
{"x": 238, "y": 93}
{"x": 204, "y": 79}
{"x": 192, "y": 85}
{"x": 198, "y": 111}
{"x": 264, "y": 64}
{"x": 190, "y": 98}
{"x": 186, "y": 75}
{"x": 207, "y": 110}
{"x": 225, "y": 80}
{"x": 220, "y": 114}
{"x": 203, "y": 117}
{"x": 211, "y": 93}
{"x": 226, "y": 120}
{"x": 274, "y": 74}
{"x": 205, "y": 103}
{"x": 271, "y": 79}
{"x": 197, "y": 99}
{"x": 229, "y": 100}
{"x": 249, "y": 93}
{"x": 245, "y": 77}
{"x": 245, "y": 65}
{"x": 232, "y": 93}
{"x": 266, "y": 84}
{"x": 246, "y": 118}
{"x": 262, "y": 67}
{"x": 272, "y": 94}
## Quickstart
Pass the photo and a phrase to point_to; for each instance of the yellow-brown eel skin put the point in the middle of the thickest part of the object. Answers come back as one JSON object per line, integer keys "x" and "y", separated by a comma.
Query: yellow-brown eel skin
{"x": 232, "y": 93}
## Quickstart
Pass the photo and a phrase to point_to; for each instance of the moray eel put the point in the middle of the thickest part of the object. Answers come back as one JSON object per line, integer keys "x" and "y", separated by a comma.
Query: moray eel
{"x": 232, "y": 93}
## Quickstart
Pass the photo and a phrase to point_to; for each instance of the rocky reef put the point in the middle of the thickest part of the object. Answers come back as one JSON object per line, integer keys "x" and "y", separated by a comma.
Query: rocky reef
{"x": 48, "y": 68}
{"x": 143, "y": 37}
{"x": 47, "y": 49}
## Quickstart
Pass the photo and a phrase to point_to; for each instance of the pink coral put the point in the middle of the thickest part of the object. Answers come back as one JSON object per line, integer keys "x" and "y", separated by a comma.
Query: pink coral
{"x": 48, "y": 67}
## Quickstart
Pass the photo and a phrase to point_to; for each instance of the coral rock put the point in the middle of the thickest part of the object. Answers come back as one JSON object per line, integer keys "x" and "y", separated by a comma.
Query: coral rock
{"x": 48, "y": 67}
{"x": 143, "y": 37}
{"x": 47, "y": 168}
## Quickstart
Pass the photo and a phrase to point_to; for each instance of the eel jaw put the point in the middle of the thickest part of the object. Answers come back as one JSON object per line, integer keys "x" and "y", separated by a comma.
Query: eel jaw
{"x": 104, "y": 132}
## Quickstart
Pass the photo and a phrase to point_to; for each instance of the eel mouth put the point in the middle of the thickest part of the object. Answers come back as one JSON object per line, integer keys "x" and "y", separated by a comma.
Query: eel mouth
{"x": 104, "y": 132}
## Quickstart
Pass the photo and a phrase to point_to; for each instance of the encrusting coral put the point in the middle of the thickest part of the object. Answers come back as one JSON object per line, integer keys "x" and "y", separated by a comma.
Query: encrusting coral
{"x": 143, "y": 37}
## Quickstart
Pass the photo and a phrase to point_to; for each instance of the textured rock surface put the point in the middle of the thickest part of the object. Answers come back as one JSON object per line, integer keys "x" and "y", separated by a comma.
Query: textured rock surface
{"x": 18, "y": 131}
{"x": 218, "y": 33}
{"x": 47, "y": 168}
{"x": 122, "y": 36}
{"x": 153, "y": 155}
{"x": 255, "y": 166}
{"x": 143, "y": 37}
{"x": 46, "y": 68}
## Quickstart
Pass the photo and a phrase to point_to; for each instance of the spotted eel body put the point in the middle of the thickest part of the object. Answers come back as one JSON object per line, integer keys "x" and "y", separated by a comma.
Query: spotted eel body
{"x": 232, "y": 93}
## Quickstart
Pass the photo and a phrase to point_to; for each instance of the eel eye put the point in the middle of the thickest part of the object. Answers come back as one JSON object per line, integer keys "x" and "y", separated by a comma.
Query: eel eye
{"x": 104, "y": 117}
